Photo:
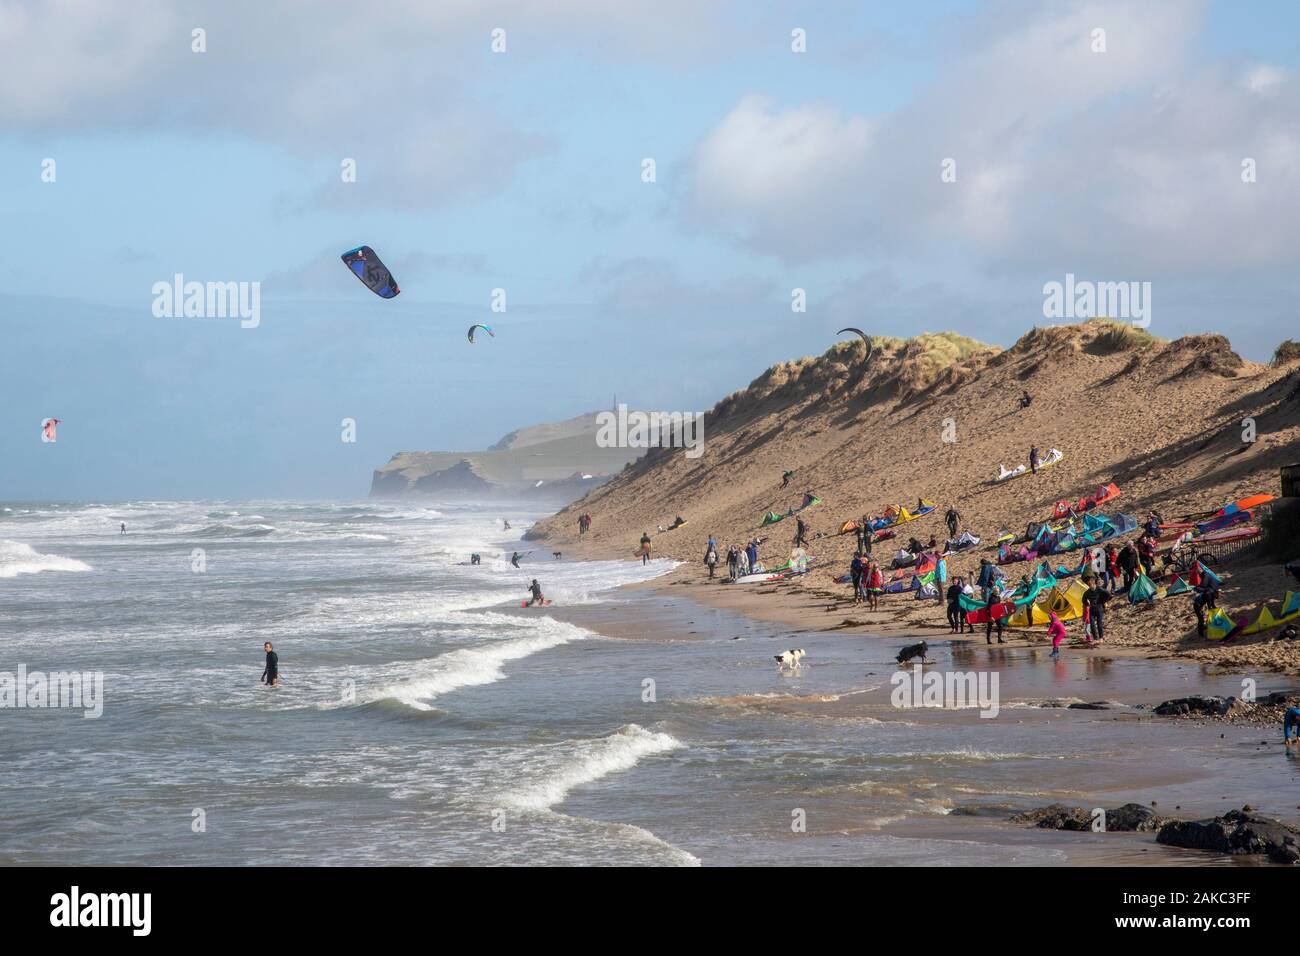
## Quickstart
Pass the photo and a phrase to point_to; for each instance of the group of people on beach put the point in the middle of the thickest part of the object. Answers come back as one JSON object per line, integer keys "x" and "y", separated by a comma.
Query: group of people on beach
{"x": 740, "y": 561}
{"x": 868, "y": 580}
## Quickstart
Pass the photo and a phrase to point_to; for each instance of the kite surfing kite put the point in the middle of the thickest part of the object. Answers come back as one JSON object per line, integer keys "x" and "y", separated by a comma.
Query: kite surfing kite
{"x": 48, "y": 426}
{"x": 485, "y": 328}
{"x": 366, "y": 266}
{"x": 865, "y": 338}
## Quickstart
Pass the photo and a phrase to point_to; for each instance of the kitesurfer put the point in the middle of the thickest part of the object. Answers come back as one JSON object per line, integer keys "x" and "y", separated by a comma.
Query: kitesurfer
{"x": 514, "y": 559}
{"x": 536, "y": 590}
{"x": 271, "y": 676}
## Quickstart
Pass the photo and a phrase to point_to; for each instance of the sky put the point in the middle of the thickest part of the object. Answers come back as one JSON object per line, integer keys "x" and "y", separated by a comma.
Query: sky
{"x": 794, "y": 146}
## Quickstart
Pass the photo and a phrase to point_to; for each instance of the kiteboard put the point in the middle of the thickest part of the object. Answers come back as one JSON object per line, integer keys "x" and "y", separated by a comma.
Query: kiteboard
{"x": 546, "y": 602}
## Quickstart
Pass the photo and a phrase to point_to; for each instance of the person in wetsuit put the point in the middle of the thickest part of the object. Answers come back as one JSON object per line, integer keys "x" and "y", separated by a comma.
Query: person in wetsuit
{"x": 514, "y": 559}
{"x": 474, "y": 559}
{"x": 536, "y": 590}
{"x": 271, "y": 676}
{"x": 1291, "y": 722}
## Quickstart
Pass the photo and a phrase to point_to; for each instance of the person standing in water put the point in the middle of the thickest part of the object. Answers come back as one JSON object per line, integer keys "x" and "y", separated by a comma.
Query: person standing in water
{"x": 271, "y": 676}
{"x": 645, "y": 547}
{"x": 506, "y": 523}
{"x": 536, "y": 590}
{"x": 514, "y": 559}
{"x": 124, "y": 527}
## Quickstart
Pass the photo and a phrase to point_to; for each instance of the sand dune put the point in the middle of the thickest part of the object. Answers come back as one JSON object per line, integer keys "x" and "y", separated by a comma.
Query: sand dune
{"x": 1161, "y": 419}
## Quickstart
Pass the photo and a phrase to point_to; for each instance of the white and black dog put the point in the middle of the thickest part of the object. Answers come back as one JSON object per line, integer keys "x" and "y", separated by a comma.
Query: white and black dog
{"x": 789, "y": 658}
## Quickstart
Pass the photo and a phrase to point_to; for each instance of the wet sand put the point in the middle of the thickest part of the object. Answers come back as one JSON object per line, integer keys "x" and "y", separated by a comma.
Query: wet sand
{"x": 1088, "y": 758}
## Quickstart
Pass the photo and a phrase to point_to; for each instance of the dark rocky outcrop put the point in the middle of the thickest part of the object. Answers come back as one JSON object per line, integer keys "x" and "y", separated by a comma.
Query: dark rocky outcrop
{"x": 1236, "y": 832}
{"x": 1186, "y": 706}
{"x": 1057, "y": 816}
{"x": 1133, "y": 817}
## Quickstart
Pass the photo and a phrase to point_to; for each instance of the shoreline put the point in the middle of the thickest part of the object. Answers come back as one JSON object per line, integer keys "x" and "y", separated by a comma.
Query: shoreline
{"x": 671, "y": 609}
{"x": 812, "y": 602}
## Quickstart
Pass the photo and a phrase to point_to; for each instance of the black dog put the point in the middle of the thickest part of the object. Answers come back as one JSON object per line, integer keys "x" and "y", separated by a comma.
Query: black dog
{"x": 911, "y": 651}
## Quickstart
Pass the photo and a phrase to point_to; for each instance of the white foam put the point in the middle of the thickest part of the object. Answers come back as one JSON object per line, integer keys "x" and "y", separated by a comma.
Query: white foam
{"x": 474, "y": 666}
{"x": 17, "y": 558}
{"x": 588, "y": 762}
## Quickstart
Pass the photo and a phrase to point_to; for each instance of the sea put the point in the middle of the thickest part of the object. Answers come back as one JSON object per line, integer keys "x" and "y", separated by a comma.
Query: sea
{"x": 425, "y": 718}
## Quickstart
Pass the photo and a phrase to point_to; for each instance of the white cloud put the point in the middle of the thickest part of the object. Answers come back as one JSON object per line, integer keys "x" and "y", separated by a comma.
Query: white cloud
{"x": 407, "y": 87}
{"x": 1066, "y": 158}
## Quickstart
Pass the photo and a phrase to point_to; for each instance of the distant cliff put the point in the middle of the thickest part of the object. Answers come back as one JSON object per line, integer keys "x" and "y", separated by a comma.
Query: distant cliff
{"x": 553, "y": 460}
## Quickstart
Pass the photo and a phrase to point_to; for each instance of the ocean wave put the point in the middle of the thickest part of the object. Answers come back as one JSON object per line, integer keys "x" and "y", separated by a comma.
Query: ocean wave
{"x": 17, "y": 558}
{"x": 474, "y": 666}
{"x": 584, "y": 762}
{"x": 234, "y": 531}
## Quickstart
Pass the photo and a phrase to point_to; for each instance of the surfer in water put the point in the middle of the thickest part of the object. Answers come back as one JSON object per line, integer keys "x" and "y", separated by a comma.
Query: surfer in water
{"x": 271, "y": 676}
{"x": 124, "y": 527}
{"x": 536, "y": 590}
{"x": 506, "y": 523}
{"x": 514, "y": 559}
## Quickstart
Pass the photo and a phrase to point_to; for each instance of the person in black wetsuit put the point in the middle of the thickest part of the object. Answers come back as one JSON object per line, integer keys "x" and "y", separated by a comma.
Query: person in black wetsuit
{"x": 514, "y": 559}
{"x": 536, "y": 590}
{"x": 271, "y": 675}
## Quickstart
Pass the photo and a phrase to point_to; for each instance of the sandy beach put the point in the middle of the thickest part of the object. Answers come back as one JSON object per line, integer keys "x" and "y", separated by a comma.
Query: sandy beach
{"x": 1037, "y": 751}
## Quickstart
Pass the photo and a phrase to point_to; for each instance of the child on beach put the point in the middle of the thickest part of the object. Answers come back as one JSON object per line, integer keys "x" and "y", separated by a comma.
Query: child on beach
{"x": 1056, "y": 631}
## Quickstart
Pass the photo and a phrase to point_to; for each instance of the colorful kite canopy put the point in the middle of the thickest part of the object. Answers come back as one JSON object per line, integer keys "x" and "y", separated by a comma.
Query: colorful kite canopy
{"x": 485, "y": 328}
{"x": 369, "y": 269}
{"x": 865, "y": 338}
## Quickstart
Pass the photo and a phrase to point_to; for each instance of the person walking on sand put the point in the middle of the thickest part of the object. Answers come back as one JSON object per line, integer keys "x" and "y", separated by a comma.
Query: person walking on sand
{"x": 1128, "y": 564}
{"x": 271, "y": 676}
{"x": 733, "y": 562}
{"x": 1094, "y": 601}
{"x": 954, "y": 606}
{"x": 995, "y": 598}
{"x": 785, "y": 477}
{"x": 1033, "y": 459}
{"x": 1056, "y": 631}
{"x": 855, "y": 577}
{"x": 646, "y": 547}
{"x": 1112, "y": 568}
{"x": 1207, "y": 597}
{"x": 952, "y": 517}
{"x": 800, "y": 532}
{"x": 711, "y": 559}
{"x": 875, "y": 584}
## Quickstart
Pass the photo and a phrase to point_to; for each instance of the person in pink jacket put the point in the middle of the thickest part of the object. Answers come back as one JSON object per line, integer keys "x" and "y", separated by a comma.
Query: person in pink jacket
{"x": 1056, "y": 631}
